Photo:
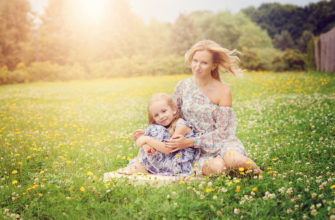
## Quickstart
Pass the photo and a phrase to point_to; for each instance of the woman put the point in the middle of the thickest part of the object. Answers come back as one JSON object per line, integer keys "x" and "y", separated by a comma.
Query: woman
{"x": 206, "y": 103}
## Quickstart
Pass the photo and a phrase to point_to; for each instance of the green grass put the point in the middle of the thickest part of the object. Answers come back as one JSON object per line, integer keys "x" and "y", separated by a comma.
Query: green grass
{"x": 61, "y": 137}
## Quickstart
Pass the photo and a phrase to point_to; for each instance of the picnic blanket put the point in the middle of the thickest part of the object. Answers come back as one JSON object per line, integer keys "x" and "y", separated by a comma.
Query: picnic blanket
{"x": 153, "y": 180}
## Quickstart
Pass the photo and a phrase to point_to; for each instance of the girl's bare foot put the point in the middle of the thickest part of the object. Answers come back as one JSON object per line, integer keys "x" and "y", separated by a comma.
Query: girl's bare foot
{"x": 134, "y": 168}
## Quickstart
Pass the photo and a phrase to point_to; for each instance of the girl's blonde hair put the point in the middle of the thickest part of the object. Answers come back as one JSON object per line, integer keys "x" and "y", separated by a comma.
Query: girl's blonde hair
{"x": 170, "y": 102}
{"x": 226, "y": 60}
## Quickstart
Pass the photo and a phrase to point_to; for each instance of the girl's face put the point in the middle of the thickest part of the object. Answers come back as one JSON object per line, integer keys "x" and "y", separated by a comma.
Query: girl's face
{"x": 202, "y": 63}
{"x": 162, "y": 113}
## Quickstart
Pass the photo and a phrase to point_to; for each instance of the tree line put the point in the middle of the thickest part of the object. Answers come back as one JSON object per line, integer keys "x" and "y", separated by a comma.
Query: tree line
{"x": 64, "y": 46}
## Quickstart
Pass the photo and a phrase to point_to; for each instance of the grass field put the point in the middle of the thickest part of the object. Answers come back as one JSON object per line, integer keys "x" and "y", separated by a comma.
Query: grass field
{"x": 57, "y": 139}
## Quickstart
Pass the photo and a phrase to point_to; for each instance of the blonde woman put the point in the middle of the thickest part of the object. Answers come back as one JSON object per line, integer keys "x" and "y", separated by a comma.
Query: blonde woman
{"x": 206, "y": 103}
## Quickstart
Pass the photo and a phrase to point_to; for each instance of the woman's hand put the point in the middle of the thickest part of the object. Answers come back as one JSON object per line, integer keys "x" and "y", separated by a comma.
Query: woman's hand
{"x": 179, "y": 142}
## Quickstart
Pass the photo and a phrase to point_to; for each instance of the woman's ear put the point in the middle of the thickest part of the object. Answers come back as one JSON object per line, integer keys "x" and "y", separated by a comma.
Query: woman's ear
{"x": 215, "y": 65}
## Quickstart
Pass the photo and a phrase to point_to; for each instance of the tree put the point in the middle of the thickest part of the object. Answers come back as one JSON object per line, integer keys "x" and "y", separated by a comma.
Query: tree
{"x": 283, "y": 40}
{"x": 303, "y": 41}
{"x": 15, "y": 32}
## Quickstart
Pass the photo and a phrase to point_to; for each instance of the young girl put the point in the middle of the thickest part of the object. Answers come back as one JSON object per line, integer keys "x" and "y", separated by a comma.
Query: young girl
{"x": 164, "y": 123}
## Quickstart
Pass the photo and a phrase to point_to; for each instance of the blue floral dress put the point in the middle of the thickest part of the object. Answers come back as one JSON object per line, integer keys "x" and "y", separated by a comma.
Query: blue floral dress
{"x": 214, "y": 126}
{"x": 177, "y": 163}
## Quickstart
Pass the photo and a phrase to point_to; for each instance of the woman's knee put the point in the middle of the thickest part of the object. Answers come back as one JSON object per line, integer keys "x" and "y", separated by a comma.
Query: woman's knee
{"x": 214, "y": 166}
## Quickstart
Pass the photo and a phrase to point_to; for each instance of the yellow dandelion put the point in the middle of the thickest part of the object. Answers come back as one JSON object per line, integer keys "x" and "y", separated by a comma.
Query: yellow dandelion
{"x": 71, "y": 188}
{"x": 274, "y": 159}
{"x": 82, "y": 189}
{"x": 207, "y": 190}
{"x": 241, "y": 169}
{"x": 95, "y": 177}
{"x": 249, "y": 162}
{"x": 89, "y": 173}
{"x": 42, "y": 171}
{"x": 14, "y": 182}
{"x": 195, "y": 164}
{"x": 40, "y": 194}
{"x": 237, "y": 189}
{"x": 230, "y": 182}
{"x": 237, "y": 181}
{"x": 332, "y": 187}
{"x": 181, "y": 182}
{"x": 44, "y": 179}
{"x": 178, "y": 155}
{"x": 14, "y": 172}
{"x": 255, "y": 189}
{"x": 28, "y": 157}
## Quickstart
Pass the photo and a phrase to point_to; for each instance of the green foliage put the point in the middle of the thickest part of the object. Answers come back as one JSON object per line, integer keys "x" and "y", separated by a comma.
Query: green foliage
{"x": 259, "y": 58}
{"x": 232, "y": 31}
{"x": 15, "y": 32}
{"x": 283, "y": 41}
{"x": 274, "y": 18}
{"x": 290, "y": 60}
{"x": 304, "y": 40}
{"x": 310, "y": 55}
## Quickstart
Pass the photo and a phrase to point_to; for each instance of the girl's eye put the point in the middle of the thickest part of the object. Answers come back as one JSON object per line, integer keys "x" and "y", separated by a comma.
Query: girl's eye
{"x": 204, "y": 63}
{"x": 155, "y": 116}
{"x": 164, "y": 110}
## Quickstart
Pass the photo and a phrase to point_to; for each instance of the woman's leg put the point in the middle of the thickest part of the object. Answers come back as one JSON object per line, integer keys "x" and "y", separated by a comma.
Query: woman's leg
{"x": 215, "y": 166}
{"x": 235, "y": 160}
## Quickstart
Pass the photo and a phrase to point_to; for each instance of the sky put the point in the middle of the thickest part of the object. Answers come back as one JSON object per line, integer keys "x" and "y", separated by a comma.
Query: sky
{"x": 168, "y": 10}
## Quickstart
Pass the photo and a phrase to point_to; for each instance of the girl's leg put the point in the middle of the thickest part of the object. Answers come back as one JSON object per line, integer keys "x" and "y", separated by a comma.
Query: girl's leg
{"x": 136, "y": 167}
{"x": 235, "y": 160}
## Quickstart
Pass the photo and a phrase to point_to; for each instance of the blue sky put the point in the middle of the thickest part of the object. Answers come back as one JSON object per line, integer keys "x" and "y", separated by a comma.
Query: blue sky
{"x": 168, "y": 10}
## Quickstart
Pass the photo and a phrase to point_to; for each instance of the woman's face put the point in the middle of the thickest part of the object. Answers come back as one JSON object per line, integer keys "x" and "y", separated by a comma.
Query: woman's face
{"x": 202, "y": 63}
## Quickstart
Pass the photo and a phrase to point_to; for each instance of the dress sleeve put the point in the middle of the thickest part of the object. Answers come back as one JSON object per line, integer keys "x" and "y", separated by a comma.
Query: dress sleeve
{"x": 183, "y": 122}
{"x": 177, "y": 96}
{"x": 224, "y": 130}
{"x": 158, "y": 132}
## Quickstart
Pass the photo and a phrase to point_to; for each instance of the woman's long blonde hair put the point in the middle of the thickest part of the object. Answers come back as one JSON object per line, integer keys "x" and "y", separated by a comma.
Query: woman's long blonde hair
{"x": 170, "y": 102}
{"x": 226, "y": 60}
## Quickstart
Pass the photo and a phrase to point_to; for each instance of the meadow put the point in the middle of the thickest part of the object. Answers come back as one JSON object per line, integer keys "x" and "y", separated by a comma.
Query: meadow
{"x": 58, "y": 139}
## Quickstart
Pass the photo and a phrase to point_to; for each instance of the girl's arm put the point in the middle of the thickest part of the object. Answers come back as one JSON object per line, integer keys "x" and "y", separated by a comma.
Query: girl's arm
{"x": 152, "y": 142}
{"x": 181, "y": 130}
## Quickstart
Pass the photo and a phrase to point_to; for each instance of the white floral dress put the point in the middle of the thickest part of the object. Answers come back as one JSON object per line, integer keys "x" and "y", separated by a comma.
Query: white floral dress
{"x": 177, "y": 163}
{"x": 214, "y": 126}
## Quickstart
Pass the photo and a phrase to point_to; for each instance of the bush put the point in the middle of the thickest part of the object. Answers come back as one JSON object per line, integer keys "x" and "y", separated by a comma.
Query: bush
{"x": 258, "y": 58}
{"x": 290, "y": 60}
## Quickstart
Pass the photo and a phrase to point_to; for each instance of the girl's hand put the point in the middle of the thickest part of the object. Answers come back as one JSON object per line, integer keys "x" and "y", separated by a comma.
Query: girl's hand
{"x": 137, "y": 134}
{"x": 149, "y": 150}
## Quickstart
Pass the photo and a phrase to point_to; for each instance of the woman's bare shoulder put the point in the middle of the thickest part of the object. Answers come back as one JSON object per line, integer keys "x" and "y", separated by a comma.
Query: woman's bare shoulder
{"x": 225, "y": 95}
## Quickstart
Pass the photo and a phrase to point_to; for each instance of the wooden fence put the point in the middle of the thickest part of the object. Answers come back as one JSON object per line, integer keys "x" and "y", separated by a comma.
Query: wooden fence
{"x": 325, "y": 52}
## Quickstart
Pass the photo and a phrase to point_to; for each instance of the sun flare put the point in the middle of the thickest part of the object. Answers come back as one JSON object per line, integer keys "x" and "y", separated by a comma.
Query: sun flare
{"x": 91, "y": 11}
